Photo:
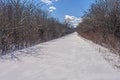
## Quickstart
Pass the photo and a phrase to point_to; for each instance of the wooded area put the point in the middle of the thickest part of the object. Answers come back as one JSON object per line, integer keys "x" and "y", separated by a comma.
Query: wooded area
{"x": 101, "y": 23}
{"x": 23, "y": 23}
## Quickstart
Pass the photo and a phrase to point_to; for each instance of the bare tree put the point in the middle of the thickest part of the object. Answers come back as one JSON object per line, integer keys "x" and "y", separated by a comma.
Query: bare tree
{"x": 102, "y": 21}
{"x": 23, "y": 24}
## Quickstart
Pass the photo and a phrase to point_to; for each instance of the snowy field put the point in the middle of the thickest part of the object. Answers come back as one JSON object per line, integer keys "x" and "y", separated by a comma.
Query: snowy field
{"x": 68, "y": 58}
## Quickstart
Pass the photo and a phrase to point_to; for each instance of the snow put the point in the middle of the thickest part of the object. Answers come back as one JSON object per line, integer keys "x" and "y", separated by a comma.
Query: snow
{"x": 68, "y": 58}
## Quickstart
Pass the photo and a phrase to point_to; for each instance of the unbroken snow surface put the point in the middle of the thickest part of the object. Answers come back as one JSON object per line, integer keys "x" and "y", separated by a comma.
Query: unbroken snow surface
{"x": 68, "y": 58}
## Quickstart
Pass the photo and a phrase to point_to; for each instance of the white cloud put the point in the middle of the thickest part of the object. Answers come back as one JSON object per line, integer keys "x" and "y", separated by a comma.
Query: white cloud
{"x": 52, "y": 8}
{"x": 48, "y": 2}
{"x": 72, "y": 20}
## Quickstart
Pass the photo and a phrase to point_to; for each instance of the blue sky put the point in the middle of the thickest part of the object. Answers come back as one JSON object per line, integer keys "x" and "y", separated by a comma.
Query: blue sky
{"x": 72, "y": 8}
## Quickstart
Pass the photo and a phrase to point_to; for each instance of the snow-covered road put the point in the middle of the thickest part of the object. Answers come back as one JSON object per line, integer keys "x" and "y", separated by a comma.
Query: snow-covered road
{"x": 68, "y": 58}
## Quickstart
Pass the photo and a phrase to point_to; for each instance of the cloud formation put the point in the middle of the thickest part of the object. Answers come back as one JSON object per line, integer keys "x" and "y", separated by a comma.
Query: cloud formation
{"x": 48, "y": 2}
{"x": 52, "y": 8}
{"x": 72, "y": 20}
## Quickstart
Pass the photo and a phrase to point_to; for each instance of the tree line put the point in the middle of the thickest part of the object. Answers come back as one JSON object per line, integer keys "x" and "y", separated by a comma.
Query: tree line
{"x": 101, "y": 23}
{"x": 23, "y": 23}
